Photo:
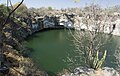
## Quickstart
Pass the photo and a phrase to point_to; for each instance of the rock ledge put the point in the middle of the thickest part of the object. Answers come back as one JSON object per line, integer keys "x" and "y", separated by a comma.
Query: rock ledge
{"x": 83, "y": 71}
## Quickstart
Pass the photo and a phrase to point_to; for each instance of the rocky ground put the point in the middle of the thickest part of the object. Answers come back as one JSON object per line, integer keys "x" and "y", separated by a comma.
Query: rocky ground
{"x": 19, "y": 65}
{"x": 82, "y": 71}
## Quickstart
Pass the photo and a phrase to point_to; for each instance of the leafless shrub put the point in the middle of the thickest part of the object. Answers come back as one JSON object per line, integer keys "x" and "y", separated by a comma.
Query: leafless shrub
{"x": 90, "y": 42}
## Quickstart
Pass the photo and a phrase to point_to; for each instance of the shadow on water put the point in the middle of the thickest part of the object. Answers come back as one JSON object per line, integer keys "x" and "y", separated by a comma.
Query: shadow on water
{"x": 27, "y": 51}
{"x": 30, "y": 37}
{"x": 51, "y": 73}
{"x": 30, "y": 49}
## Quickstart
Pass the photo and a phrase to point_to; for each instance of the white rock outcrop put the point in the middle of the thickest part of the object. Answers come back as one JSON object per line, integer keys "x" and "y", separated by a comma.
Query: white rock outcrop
{"x": 105, "y": 71}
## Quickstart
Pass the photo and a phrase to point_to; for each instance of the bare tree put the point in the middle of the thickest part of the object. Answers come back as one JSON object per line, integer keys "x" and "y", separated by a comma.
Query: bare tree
{"x": 90, "y": 39}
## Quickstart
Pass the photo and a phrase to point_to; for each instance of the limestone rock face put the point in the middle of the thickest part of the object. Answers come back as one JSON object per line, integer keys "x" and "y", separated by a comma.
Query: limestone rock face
{"x": 105, "y": 71}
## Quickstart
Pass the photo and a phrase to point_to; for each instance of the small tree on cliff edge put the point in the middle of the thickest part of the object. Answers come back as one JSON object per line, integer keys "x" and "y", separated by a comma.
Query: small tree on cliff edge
{"x": 89, "y": 43}
{"x": 22, "y": 11}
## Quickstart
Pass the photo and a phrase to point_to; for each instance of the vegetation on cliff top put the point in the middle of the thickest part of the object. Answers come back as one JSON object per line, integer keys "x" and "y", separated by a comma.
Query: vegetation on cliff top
{"x": 12, "y": 32}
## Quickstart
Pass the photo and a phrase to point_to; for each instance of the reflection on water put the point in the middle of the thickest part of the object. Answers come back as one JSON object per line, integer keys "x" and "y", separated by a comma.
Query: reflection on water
{"x": 51, "y": 47}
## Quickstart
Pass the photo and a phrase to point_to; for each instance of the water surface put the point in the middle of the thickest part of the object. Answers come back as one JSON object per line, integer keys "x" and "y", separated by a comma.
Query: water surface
{"x": 51, "y": 47}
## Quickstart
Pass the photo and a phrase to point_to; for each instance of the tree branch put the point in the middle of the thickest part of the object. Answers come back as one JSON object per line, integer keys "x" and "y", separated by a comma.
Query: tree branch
{"x": 12, "y": 12}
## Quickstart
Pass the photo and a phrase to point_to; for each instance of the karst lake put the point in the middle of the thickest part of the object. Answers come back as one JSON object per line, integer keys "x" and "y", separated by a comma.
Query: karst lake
{"x": 50, "y": 49}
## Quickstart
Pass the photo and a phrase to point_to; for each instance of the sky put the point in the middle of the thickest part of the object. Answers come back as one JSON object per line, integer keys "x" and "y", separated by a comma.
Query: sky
{"x": 58, "y": 4}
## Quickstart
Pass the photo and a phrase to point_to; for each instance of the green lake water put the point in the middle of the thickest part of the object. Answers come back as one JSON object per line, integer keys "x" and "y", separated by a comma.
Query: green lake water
{"x": 50, "y": 48}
